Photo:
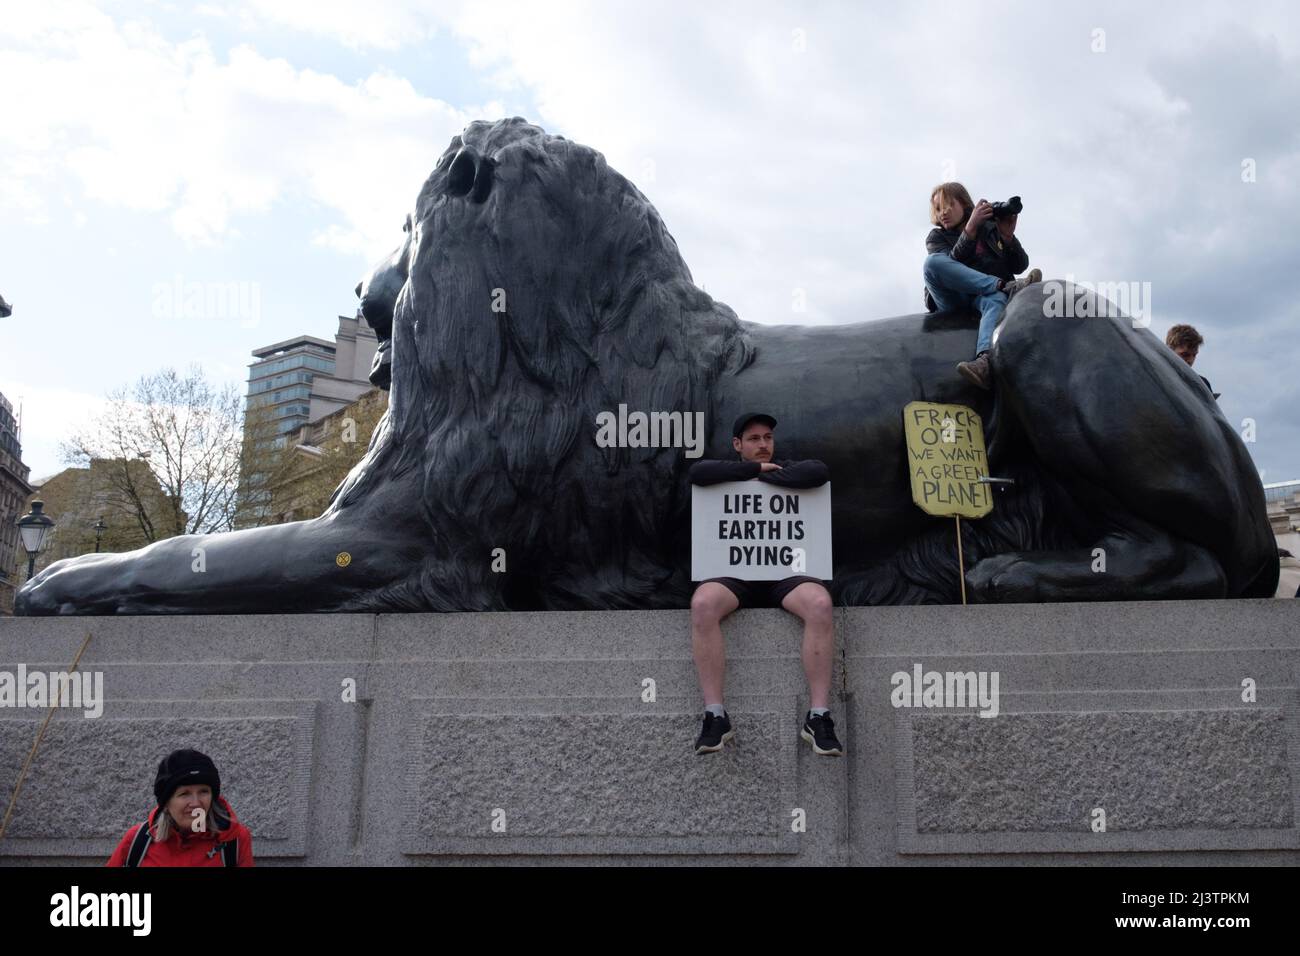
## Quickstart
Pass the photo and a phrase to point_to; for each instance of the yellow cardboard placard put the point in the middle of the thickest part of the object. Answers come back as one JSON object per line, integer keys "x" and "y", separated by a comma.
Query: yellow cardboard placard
{"x": 945, "y": 459}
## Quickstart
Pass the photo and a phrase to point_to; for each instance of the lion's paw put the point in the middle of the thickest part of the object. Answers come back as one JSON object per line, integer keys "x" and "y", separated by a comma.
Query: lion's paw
{"x": 57, "y": 587}
{"x": 1003, "y": 579}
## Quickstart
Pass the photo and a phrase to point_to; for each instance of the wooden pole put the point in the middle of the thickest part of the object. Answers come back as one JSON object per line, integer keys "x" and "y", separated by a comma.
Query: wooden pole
{"x": 961, "y": 564}
{"x": 22, "y": 773}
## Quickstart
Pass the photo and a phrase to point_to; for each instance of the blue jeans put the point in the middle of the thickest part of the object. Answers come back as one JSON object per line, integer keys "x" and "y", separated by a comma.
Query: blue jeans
{"x": 955, "y": 287}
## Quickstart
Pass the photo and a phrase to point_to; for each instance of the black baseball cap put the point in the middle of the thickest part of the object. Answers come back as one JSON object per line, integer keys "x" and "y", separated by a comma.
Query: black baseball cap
{"x": 738, "y": 429}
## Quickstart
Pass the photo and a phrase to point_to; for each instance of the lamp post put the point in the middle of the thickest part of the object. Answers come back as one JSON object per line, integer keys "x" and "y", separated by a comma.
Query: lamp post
{"x": 35, "y": 528}
{"x": 100, "y": 528}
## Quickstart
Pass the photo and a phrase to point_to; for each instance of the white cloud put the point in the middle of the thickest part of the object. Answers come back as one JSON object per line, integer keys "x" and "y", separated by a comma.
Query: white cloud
{"x": 379, "y": 24}
{"x": 796, "y": 147}
{"x": 773, "y": 139}
{"x": 49, "y": 416}
{"x": 779, "y": 160}
{"x": 145, "y": 124}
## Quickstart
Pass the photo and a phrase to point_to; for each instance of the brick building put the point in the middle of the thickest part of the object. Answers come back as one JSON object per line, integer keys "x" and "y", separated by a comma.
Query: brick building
{"x": 14, "y": 493}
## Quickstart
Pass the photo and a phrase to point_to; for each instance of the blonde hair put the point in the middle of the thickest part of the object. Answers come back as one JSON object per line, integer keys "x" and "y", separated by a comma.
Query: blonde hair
{"x": 163, "y": 822}
{"x": 954, "y": 192}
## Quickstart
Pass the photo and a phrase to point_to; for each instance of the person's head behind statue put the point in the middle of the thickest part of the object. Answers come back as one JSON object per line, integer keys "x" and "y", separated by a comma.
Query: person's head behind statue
{"x": 187, "y": 781}
{"x": 1185, "y": 341}
{"x": 950, "y": 205}
{"x": 751, "y": 436}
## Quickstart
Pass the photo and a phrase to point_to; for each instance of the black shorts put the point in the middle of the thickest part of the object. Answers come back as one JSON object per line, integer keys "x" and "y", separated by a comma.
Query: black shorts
{"x": 763, "y": 593}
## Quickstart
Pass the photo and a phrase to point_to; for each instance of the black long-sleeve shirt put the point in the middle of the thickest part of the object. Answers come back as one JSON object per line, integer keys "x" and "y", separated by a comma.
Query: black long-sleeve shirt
{"x": 810, "y": 473}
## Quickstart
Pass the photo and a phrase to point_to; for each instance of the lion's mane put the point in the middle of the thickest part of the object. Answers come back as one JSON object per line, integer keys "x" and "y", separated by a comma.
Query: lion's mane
{"x": 497, "y": 409}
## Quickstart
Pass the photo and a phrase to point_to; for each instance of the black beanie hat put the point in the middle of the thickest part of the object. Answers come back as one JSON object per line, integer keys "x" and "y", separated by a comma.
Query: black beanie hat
{"x": 181, "y": 768}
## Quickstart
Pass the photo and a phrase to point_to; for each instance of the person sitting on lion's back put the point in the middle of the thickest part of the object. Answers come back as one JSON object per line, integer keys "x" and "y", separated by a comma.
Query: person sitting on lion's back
{"x": 192, "y": 825}
{"x": 972, "y": 264}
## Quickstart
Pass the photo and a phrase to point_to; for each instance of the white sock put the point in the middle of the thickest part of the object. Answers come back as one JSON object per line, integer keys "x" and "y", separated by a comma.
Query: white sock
{"x": 717, "y": 710}
{"x": 819, "y": 711}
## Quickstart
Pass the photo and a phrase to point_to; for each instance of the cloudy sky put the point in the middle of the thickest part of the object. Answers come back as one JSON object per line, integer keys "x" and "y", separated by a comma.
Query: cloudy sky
{"x": 272, "y": 148}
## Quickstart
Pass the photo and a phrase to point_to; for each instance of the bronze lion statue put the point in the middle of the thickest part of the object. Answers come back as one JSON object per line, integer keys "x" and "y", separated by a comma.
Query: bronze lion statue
{"x": 537, "y": 288}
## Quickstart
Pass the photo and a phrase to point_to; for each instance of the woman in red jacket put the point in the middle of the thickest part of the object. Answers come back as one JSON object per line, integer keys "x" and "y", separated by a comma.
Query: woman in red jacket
{"x": 192, "y": 825}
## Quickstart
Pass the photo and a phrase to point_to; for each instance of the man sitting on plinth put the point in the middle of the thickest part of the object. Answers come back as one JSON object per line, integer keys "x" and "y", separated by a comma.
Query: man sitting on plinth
{"x": 804, "y": 596}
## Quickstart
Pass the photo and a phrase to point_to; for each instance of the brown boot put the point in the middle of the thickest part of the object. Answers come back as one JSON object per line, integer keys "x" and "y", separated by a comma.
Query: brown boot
{"x": 978, "y": 372}
{"x": 1011, "y": 288}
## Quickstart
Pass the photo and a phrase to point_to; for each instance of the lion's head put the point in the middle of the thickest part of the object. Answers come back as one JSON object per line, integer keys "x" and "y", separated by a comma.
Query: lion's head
{"x": 536, "y": 287}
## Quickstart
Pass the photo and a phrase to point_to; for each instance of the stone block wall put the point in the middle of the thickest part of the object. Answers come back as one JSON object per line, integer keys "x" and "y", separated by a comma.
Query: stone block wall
{"x": 568, "y": 737}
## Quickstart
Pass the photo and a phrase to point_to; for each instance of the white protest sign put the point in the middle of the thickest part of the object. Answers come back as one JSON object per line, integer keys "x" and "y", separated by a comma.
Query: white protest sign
{"x": 756, "y": 531}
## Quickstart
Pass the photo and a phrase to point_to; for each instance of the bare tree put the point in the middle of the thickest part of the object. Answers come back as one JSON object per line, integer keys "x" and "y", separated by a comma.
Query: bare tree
{"x": 188, "y": 433}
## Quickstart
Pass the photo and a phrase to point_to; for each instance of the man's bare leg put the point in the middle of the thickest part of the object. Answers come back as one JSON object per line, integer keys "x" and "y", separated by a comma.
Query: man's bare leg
{"x": 709, "y": 605}
{"x": 812, "y": 603}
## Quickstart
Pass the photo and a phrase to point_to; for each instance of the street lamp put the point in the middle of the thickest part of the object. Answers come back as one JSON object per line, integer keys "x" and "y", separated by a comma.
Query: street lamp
{"x": 100, "y": 528}
{"x": 35, "y": 528}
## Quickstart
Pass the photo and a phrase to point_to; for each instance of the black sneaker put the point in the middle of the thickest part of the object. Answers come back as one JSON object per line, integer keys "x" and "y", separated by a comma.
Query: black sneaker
{"x": 715, "y": 732}
{"x": 819, "y": 731}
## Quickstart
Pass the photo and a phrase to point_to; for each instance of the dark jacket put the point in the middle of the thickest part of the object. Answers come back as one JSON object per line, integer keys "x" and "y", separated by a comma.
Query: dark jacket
{"x": 793, "y": 474}
{"x": 985, "y": 253}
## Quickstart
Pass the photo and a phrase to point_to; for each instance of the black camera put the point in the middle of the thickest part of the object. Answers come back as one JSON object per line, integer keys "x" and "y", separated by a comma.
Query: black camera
{"x": 1011, "y": 207}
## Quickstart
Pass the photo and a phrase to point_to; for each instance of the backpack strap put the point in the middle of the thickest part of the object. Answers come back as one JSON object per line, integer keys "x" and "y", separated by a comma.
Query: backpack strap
{"x": 230, "y": 852}
{"x": 139, "y": 845}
